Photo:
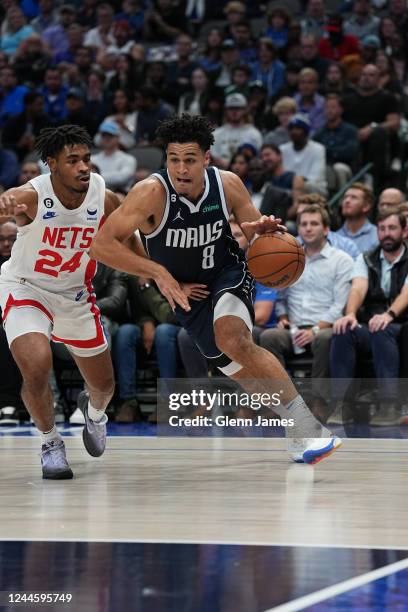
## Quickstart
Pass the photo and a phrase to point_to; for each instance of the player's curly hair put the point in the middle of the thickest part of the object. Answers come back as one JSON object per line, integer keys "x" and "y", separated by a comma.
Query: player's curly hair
{"x": 52, "y": 140}
{"x": 187, "y": 128}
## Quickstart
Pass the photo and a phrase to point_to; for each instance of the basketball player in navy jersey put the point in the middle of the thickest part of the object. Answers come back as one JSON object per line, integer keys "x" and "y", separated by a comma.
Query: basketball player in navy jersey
{"x": 182, "y": 216}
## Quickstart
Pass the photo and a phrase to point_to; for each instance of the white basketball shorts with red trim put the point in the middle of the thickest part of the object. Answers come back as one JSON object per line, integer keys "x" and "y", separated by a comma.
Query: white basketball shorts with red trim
{"x": 74, "y": 321}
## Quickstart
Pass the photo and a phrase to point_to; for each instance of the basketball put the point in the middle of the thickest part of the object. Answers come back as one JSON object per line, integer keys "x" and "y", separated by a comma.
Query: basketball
{"x": 276, "y": 259}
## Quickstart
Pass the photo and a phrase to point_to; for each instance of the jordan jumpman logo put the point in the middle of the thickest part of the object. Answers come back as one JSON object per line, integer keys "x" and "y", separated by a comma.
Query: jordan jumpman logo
{"x": 178, "y": 216}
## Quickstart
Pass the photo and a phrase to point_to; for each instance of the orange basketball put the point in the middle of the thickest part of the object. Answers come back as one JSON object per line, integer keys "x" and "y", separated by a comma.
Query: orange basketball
{"x": 276, "y": 259}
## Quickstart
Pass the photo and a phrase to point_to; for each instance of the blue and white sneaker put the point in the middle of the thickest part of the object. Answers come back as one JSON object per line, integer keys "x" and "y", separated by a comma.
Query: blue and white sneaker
{"x": 296, "y": 447}
{"x": 312, "y": 450}
{"x": 94, "y": 432}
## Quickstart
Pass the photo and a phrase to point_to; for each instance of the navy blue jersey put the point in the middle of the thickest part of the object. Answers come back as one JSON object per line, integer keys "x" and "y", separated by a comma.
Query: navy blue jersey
{"x": 194, "y": 241}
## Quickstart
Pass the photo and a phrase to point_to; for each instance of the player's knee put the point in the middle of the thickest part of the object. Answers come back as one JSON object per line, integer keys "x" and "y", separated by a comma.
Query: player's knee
{"x": 235, "y": 346}
{"x": 35, "y": 369}
{"x": 36, "y": 376}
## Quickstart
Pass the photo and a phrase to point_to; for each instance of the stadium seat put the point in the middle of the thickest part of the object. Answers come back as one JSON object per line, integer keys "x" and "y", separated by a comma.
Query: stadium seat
{"x": 148, "y": 157}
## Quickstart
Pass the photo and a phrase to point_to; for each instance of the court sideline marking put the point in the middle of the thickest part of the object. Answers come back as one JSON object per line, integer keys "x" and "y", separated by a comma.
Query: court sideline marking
{"x": 342, "y": 587}
{"x": 205, "y": 542}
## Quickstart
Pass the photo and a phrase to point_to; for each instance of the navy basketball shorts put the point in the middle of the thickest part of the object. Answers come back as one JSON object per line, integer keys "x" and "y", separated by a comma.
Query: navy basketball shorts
{"x": 232, "y": 293}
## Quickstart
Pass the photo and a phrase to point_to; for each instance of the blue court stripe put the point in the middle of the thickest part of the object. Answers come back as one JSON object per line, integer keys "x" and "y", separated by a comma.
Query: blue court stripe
{"x": 342, "y": 587}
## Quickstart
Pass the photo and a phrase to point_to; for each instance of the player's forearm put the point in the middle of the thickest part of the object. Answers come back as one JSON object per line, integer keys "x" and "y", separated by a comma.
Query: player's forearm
{"x": 118, "y": 256}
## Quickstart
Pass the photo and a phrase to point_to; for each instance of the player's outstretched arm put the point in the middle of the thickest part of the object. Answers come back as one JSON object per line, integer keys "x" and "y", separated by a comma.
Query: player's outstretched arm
{"x": 19, "y": 203}
{"x": 240, "y": 205}
{"x": 111, "y": 244}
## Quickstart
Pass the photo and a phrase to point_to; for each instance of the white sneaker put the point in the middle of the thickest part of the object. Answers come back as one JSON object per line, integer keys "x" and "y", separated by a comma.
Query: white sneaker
{"x": 312, "y": 450}
{"x": 77, "y": 417}
{"x": 296, "y": 447}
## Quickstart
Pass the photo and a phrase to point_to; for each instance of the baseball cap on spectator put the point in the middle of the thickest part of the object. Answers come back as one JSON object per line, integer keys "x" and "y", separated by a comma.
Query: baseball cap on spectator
{"x": 75, "y": 92}
{"x": 109, "y": 127}
{"x": 228, "y": 44}
{"x": 236, "y": 100}
{"x": 235, "y": 7}
{"x": 300, "y": 120}
{"x": 371, "y": 40}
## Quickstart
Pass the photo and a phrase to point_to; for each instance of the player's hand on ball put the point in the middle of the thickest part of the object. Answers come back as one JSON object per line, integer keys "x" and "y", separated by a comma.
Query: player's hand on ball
{"x": 264, "y": 224}
{"x": 9, "y": 206}
{"x": 171, "y": 290}
{"x": 195, "y": 291}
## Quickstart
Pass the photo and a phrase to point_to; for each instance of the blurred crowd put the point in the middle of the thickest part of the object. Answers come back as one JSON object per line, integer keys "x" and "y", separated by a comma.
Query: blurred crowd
{"x": 309, "y": 101}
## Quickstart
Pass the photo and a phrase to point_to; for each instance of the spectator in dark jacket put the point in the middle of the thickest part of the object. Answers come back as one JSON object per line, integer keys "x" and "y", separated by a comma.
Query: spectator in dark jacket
{"x": 375, "y": 310}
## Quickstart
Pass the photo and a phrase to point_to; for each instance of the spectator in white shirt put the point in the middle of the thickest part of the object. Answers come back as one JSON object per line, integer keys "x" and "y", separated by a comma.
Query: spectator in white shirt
{"x": 116, "y": 167}
{"x": 305, "y": 157}
{"x": 235, "y": 132}
{"x": 316, "y": 300}
{"x": 102, "y": 36}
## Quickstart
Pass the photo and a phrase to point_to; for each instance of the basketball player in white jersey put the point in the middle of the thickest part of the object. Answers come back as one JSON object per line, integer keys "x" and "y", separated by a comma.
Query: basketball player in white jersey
{"x": 46, "y": 287}
{"x": 182, "y": 214}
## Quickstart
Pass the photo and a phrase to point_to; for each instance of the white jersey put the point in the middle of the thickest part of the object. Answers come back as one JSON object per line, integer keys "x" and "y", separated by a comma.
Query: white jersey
{"x": 51, "y": 252}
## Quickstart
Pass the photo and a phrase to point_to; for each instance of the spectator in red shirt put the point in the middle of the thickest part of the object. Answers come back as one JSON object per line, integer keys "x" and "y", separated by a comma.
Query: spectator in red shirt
{"x": 336, "y": 44}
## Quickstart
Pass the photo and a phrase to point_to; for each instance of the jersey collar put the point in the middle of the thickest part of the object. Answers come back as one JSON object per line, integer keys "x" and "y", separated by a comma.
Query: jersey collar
{"x": 193, "y": 207}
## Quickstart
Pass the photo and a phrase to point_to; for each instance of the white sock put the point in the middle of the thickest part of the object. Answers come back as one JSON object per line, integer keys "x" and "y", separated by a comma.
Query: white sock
{"x": 306, "y": 425}
{"x": 49, "y": 436}
{"x": 95, "y": 415}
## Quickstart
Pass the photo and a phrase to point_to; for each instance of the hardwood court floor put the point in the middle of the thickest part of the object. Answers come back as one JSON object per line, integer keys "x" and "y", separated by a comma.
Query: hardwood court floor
{"x": 208, "y": 490}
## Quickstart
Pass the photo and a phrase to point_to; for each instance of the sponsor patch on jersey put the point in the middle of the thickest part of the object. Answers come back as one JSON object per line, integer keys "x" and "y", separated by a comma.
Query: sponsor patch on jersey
{"x": 49, "y": 215}
{"x": 210, "y": 207}
{"x": 91, "y": 214}
{"x": 48, "y": 202}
